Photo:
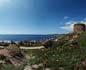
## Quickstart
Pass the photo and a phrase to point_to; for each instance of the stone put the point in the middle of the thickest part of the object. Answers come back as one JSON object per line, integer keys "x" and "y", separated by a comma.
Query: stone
{"x": 49, "y": 43}
{"x": 14, "y": 55}
{"x": 47, "y": 68}
{"x": 79, "y": 27}
{"x": 28, "y": 68}
{"x": 36, "y": 66}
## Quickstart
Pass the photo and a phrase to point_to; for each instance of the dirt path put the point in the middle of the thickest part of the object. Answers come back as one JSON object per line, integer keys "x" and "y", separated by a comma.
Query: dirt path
{"x": 40, "y": 47}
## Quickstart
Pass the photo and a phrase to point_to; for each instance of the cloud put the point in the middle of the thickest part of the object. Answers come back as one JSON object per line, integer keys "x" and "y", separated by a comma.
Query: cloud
{"x": 68, "y": 26}
{"x": 69, "y": 22}
{"x": 66, "y": 17}
{"x": 84, "y": 22}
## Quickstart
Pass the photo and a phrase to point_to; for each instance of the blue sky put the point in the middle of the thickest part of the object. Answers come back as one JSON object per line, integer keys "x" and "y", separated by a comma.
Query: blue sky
{"x": 40, "y": 16}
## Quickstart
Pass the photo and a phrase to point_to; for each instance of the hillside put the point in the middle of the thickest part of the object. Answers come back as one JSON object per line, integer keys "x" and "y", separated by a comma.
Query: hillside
{"x": 70, "y": 54}
{"x": 83, "y": 39}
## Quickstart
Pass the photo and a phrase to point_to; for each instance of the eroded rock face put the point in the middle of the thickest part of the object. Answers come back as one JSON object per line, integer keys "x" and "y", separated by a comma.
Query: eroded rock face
{"x": 78, "y": 28}
{"x": 14, "y": 55}
{"x": 49, "y": 43}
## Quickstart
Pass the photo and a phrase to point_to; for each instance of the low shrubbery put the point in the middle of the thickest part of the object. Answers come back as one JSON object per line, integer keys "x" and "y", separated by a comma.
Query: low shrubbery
{"x": 61, "y": 57}
{"x": 11, "y": 67}
{"x": 56, "y": 58}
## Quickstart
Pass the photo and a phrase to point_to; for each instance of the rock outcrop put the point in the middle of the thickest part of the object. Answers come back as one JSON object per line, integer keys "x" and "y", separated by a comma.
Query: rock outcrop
{"x": 78, "y": 28}
{"x": 14, "y": 55}
{"x": 49, "y": 43}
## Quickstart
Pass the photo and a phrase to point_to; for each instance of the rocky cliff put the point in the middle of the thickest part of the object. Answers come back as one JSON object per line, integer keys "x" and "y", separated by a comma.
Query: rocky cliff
{"x": 78, "y": 28}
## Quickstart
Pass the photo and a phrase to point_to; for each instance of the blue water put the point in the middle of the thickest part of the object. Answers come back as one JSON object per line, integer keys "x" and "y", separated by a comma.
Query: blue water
{"x": 25, "y": 37}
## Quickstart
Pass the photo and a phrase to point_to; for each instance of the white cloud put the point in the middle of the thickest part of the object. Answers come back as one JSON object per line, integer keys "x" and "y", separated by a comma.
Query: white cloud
{"x": 66, "y": 17}
{"x": 84, "y": 22}
{"x": 69, "y": 22}
{"x": 68, "y": 27}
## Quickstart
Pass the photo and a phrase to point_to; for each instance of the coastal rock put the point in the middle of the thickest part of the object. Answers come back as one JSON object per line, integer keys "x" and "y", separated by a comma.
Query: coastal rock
{"x": 49, "y": 43}
{"x": 14, "y": 55}
{"x": 78, "y": 28}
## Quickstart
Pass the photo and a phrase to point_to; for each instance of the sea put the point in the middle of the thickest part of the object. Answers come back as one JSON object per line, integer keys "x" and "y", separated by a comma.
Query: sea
{"x": 25, "y": 37}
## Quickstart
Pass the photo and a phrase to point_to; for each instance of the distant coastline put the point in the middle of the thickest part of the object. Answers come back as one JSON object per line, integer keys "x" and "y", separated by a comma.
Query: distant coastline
{"x": 19, "y": 37}
{"x": 26, "y": 40}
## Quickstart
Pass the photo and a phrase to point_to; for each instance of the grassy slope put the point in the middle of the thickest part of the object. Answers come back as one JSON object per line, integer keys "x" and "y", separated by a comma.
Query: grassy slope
{"x": 83, "y": 39}
{"x": 60, "y": 57}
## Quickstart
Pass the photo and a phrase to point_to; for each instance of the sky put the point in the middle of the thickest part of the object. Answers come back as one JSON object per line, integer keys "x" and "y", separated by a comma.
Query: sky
{"x": 40, "y": 16}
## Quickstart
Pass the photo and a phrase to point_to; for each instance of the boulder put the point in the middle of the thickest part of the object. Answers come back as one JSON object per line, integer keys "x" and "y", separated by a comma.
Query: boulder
{"x": 14, "y": 55}
{"x": 49, "y": 43}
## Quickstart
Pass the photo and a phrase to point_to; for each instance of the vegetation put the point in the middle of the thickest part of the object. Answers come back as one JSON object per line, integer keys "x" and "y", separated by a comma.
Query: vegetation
{"x": 11, "y": 67}
{"x": 61, "y": 57}
{"x": 83, "y": 39}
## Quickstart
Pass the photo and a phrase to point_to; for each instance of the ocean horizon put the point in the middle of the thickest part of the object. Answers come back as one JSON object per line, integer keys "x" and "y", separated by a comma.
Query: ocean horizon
{"x": 21, "y": 37}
